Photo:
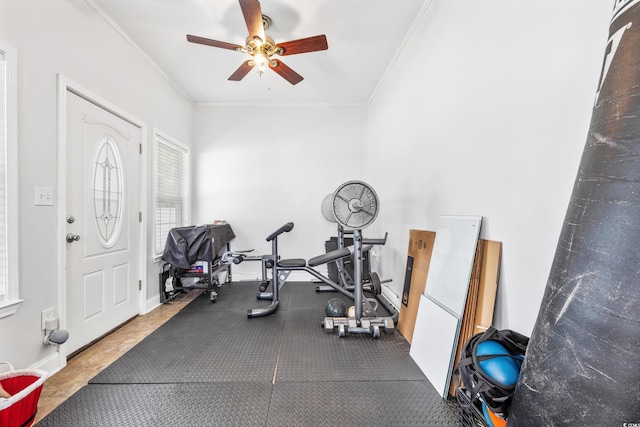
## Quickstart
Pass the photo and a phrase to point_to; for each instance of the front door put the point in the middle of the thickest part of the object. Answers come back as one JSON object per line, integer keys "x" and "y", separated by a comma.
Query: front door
{"x": 102, "y": 225}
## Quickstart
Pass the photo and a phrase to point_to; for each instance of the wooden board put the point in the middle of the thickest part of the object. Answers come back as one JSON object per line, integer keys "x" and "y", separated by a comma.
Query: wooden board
{"x": 478, "y": 315}
{"x": 418, "y": 260}
{"x": 490, "y": 275}
{"x": 468, "y": 317}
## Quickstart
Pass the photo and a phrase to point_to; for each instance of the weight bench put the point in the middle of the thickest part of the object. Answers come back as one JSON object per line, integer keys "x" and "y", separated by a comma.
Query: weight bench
{"x": 354, "y": 206}
{"x": 282, "y": 268}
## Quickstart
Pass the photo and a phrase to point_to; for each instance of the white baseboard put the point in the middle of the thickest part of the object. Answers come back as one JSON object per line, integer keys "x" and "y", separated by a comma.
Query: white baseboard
{"x": 391, "y": 296}
{"x": 295, "y": 276}
{"x": 300, "y": 276}
{"x": 51, "y": 363}
{"x": 152, "y": 303}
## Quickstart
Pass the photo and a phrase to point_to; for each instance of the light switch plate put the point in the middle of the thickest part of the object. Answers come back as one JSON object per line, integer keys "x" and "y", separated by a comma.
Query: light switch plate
{"x": 43, "y": 196}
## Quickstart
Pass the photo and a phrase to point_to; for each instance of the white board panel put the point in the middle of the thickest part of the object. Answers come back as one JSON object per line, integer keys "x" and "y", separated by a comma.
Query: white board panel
{"x": 434, "y": 336}
{"x": 452, "y": 261}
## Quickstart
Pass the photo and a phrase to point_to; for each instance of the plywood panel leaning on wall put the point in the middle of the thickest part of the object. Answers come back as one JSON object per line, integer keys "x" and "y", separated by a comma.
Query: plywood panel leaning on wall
{"x": 418, "y": 260}
{"x": 481, "y": 298}
{"x": 489, "y": 277}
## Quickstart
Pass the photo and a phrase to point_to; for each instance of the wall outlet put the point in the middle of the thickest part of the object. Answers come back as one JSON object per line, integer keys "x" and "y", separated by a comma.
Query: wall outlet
{"x": 46, "y": 315}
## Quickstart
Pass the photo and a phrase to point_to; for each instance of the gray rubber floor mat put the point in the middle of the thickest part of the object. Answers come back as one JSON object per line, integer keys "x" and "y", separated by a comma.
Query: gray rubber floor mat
{"x": 219, "y": 347}
{"x": 309, "y": 354}
{"x": 157, "y": 405}
{"x": 360, "y": 403}
{"x": 231, "y": 297}
{"x": 210, "y": 365}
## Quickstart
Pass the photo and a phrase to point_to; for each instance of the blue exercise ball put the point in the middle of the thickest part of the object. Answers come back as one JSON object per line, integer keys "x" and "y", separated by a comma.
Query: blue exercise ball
{"x": 502, "y": 368}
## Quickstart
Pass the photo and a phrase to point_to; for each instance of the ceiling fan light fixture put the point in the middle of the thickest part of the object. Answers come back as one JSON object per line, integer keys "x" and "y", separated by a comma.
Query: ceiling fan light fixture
{"x": 260, "y": 52}
{"x": 260, "y": 61}
{"x": 256, "y": 44}
{"x": 261, "y": 47}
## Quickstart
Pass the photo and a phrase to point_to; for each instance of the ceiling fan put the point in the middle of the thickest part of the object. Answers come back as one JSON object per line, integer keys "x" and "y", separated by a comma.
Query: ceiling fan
{"x": 262, "y": 48}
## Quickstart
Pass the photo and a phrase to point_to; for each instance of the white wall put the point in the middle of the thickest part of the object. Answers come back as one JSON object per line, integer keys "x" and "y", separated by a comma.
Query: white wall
{"x": 485, "y": 112}
{"x": 488, "y": 109}
{"x": 260, "y": 167}
{"x": 67, "y": 37}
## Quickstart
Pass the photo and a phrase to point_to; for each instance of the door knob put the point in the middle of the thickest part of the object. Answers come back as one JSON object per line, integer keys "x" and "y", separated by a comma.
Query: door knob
{"x": 72, "y": 237}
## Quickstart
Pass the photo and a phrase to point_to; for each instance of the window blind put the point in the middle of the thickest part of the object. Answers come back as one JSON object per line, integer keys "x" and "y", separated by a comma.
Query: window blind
{"x": 172, "y": 201}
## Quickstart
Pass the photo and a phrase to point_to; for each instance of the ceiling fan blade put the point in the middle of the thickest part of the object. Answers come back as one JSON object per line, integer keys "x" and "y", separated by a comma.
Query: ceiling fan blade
{"x": 253, "y": 17}
{"x": 214, "y": 43}
{"x": 242, "y": 71}
{"x": 287, "y": 73}
{"x": 309, "y": 44}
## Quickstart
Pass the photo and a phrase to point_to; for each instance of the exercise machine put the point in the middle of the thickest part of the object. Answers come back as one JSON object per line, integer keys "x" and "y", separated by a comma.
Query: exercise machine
{"x": 370, "y": 279}
{"x": 355, "y": 206}
{"x": 282, "y": 268}
{"x": 344, "y": 270}
{"x": 240, "y": 256}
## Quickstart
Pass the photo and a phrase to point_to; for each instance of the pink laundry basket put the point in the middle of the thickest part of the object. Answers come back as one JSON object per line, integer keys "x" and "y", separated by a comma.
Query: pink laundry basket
{"x": 24, "y": 386}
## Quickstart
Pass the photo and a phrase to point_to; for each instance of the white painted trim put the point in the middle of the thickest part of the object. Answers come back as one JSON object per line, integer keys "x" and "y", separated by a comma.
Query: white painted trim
{"x": 10, "y": 307}
{"x": 66, "y": 85}
{"x": 137, "y": 48}
{"x": 294, "y": 276}
{"x": 400, "y": 49}
{"x": 62, "y": 201}
{"x": 301, "y": 276}
{"x": 391, "y": 296}
{"x": 170, "y": 140}
{"x": 145, "y": 146}
{"x": 51, "y": 364}
{"x": 153, "y": 303}
{"x": 284, "y": 104}
{"x": 13, "y": 301}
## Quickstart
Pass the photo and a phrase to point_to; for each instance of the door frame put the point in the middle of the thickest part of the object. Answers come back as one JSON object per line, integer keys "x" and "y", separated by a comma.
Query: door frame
{"x": 64, "y": 86}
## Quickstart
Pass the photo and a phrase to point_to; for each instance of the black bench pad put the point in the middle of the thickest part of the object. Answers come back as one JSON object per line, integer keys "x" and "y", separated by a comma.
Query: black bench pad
{"x": 293, "y": 262}
{"x": 329, "y": 256}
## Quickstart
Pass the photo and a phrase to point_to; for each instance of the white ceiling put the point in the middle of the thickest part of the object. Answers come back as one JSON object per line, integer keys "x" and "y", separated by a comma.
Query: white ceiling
{"x": 364, "y": 37}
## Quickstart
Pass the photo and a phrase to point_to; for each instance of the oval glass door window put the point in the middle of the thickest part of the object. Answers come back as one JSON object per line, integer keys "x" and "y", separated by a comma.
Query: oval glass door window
{"x": 108, "y": 192}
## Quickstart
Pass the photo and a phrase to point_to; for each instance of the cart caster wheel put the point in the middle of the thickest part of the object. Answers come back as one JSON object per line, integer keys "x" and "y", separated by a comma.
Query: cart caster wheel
{"x": 328, "y": 325}
{"x": 375, "y": 332}
{"x": 389, "y": 327}
{"x": 341, "y": 331}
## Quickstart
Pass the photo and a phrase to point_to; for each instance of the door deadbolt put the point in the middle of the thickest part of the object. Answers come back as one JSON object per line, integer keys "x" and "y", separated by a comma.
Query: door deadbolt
{"x": 71, "y": 219}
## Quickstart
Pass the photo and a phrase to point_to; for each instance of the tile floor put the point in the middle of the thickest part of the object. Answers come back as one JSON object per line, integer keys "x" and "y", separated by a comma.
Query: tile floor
{"x": 91, "y": 361}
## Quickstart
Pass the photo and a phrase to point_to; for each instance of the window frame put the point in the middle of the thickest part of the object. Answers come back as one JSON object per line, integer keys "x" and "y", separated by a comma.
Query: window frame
{"x": 10, "y": 303}
{"x": 160, "y": 137}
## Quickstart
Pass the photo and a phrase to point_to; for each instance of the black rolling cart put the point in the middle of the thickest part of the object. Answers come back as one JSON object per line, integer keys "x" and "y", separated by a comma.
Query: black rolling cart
{"x": 197, "y": 253}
